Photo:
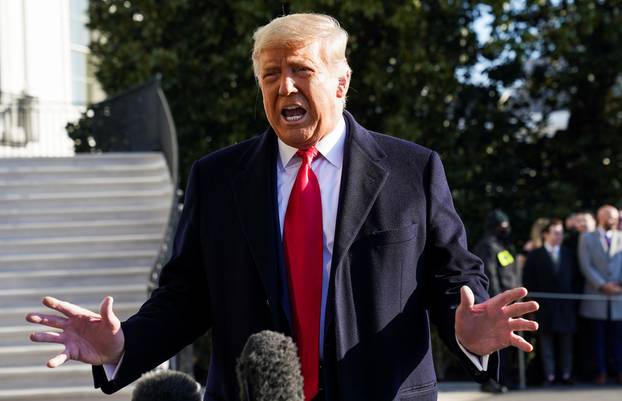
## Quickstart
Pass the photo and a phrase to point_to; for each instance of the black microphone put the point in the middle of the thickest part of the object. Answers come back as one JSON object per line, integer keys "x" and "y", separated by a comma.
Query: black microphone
{"x": 269, "y": 369}
{"x": 166, "y": 385}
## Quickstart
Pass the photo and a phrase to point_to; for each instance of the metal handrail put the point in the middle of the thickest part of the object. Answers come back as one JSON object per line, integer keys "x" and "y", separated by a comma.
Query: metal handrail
{"x": 139, "y": 119}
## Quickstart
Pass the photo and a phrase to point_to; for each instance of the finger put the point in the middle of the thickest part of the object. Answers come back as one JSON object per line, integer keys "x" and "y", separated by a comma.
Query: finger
{"x": 58, "y": 360}
{"x": 520, "y": 343}
{"x": 521, "y": 308}
{"x": 108, "y": 315}
{"x": 509, "y": 296}
{"x": 57, "y": 322}
{"x": 47, "y": 337}
{"x": 523, "y": 325}
{"x": 66, "y": 308}
{"x": 467, "y": 299}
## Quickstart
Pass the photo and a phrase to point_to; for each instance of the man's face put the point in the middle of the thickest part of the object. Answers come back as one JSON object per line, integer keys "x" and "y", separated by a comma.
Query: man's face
{"x": 302, "y": 95}
{"x": 608, "y": 218}
{"x": 554, "y": 235}
{"x": 581, "y": 223}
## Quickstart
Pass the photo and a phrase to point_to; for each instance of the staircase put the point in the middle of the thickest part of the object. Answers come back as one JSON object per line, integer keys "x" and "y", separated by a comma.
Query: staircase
{"x": 78, "y": 229}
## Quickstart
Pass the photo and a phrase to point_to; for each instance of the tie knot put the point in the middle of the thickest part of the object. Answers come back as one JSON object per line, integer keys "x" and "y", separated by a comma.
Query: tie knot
{"x": 308, "y": 155}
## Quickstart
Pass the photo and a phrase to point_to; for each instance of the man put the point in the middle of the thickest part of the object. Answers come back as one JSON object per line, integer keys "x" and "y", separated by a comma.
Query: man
{"x": 496, "y": 251}
{"x": 500, "y": 267}
{"x": 600, "y": 259}
{"x": 343, "y": 238}
{"x": 551, "y": 268}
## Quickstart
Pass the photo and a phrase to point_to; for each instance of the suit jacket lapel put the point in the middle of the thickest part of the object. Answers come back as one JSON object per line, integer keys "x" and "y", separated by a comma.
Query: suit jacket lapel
{"x": 364, "y": 173}
{"x": 254, "y": 186}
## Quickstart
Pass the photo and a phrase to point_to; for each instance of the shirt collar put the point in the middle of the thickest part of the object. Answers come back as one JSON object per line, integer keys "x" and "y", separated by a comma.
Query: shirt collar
{"x": 330, "y": 146}
{"x": 551, "y": 249}
{"x": 608, "y": 233}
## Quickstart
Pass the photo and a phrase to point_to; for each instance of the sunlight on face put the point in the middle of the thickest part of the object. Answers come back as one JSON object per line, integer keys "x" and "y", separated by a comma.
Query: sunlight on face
{"x": 302, "y": 95}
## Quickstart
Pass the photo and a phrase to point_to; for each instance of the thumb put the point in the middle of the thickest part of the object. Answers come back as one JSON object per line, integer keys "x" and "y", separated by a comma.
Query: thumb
{"x": 467, "y": 299}
{"x": 108, "y": 316}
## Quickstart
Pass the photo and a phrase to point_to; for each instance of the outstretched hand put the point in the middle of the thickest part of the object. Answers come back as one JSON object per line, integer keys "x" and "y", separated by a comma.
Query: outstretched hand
{"x": 87, "y": 336}
{"x": 487, "y": 327}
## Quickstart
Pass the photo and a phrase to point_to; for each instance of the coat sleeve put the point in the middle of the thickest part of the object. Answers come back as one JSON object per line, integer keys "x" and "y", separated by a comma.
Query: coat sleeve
{"x": 177, "y": 312}
{"x": 450, "y": 265}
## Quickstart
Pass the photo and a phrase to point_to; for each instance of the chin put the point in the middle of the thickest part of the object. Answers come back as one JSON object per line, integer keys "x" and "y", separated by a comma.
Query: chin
{"x": 298, "y": 138}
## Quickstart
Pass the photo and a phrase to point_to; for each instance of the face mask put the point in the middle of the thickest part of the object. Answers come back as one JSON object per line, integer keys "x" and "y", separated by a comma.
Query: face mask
{"x": 503, "y": 234}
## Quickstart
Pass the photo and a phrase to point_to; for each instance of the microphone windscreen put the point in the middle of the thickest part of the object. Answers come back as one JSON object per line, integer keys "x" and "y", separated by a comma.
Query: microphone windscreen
{"x": 269, "y": 369}
{"x": 166, "y": 385}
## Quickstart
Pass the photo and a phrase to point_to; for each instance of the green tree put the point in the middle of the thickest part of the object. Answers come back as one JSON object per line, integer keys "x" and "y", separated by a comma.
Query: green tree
{"x": 562, "y": 55}
{"x": 415, "y": 75}
{"x": 202, "y": 50}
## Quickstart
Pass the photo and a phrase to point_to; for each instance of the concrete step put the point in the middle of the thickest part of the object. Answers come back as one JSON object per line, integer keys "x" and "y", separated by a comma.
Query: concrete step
{"x": 75, "y": 277}
{"x": 79, "y": 229}
{"x": 14, "y": 336}
{"x": 158, "y": 210}
{"x": 70, "y": 185}
{"x": 61, "y": 228}
{"x": 113, "y": 243}
{"x": 86, "y": 160}
{"x": 16, "y": 316}
{"x": 73, "y": 393}
{"x": 85, "y": 199}
{"x": 77, "y": 259}
{"x": 69, "y": 374}
{"x": 51, "y": 173}
{"x": 31, "y": 297}
{"x": 27, "y": 355}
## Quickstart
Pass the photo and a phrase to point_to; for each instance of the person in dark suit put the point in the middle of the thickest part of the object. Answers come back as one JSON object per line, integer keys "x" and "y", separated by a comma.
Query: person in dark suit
{"x": 341, "y": 237}
{"x": 551, "y": 268}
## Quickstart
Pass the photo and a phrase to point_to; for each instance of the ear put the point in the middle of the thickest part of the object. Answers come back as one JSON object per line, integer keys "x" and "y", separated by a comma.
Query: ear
{"x": 343, "y": 84}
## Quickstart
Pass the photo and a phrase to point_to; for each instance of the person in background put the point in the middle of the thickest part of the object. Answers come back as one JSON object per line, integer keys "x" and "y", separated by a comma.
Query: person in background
{"x": 600, "y": 259}
{"x": 550, "y": 268}
{"x": 496, "y": 251}
{"x": 580, "y": 222}
{"x": 534, "y": 242}
{"x": 536, "y": 239}
{"x": 577, "y": 224}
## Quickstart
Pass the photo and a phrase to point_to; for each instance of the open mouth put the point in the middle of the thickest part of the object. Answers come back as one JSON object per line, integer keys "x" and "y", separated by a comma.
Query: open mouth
{"x": 293, "y": 113}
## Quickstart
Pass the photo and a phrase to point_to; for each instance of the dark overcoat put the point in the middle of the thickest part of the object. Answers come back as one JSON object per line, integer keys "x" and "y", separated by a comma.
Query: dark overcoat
{"x": 540, "y": 274}
{"x": 399, "y": 259}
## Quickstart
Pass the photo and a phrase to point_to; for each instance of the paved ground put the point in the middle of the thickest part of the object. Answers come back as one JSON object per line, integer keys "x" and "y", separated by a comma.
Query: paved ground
{"x": 470, "y": 392}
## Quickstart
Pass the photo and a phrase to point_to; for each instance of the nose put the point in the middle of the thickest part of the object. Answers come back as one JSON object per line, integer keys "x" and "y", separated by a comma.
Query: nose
{"x": 287, "y": 85}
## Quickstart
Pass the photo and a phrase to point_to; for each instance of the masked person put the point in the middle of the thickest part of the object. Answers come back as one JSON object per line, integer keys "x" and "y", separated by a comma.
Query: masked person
{"x": 496, "y": 251}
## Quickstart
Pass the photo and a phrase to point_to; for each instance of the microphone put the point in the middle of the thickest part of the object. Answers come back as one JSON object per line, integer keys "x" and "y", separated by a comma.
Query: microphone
{"x": 166, "y": 385}
{"x": 268, "y": 369}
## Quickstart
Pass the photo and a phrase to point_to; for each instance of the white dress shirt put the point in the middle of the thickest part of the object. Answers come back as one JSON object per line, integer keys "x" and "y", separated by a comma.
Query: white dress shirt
{"x": 553, "y": 251}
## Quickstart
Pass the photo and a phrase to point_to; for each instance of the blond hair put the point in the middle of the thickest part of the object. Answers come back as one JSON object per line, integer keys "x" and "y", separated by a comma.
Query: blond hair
{"x": 298, "y": 30}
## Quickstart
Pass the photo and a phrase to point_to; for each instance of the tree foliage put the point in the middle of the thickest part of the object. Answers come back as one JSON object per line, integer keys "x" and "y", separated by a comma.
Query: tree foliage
{"x": 417, "y": 74}
{"x": 562, "y": 55}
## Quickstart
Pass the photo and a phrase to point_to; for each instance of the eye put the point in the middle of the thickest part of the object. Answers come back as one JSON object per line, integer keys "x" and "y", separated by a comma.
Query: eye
{"x": 269, "y": 75}
{"x": 303, "y": 70}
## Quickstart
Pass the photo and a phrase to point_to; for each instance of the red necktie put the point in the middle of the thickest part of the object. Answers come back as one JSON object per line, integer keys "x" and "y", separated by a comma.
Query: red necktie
{"x": 302, "y": 241}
